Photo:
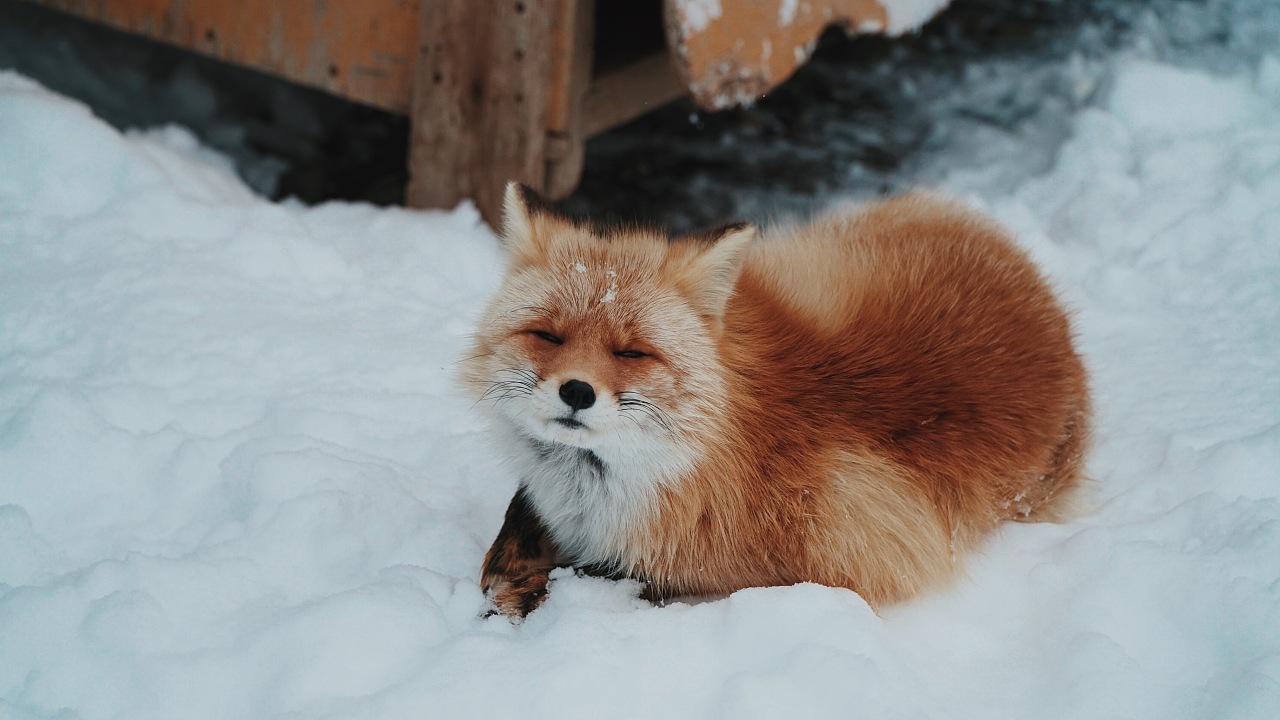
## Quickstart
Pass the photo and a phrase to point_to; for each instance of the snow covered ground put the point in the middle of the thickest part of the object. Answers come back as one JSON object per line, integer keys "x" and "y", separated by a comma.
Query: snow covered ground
{"x": 236, "y": 480}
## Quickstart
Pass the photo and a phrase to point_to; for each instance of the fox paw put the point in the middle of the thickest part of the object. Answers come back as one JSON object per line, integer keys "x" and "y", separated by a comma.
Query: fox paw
{"x": 518, "y": 595}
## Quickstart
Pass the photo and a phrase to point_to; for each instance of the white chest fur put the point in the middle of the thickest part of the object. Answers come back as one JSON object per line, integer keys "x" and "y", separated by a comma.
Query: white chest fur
{"x": 590, "y": 504}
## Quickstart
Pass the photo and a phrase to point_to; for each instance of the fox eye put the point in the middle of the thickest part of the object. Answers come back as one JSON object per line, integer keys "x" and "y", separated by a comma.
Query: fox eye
{"x": 630, "y": 354}
{"x": 547, "y": 336}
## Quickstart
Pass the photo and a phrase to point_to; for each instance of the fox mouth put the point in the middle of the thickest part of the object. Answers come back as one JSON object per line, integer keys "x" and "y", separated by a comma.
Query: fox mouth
{"x": 570, "y": 423}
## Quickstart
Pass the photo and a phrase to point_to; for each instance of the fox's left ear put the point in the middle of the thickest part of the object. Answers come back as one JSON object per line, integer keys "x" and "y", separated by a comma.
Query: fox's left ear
{"x": 527, "y": 220}
{"x": 517, "y": 219}
{"x": 714, "y": 271}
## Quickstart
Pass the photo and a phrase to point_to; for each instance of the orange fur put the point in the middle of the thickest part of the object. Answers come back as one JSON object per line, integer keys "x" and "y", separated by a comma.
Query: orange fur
{"x": 857, "y": 402}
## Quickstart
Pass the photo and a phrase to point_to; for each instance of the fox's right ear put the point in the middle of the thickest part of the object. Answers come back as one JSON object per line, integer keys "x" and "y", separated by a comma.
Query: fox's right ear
{"x": 520, "y": 206}
{"x": 708, "y": 279}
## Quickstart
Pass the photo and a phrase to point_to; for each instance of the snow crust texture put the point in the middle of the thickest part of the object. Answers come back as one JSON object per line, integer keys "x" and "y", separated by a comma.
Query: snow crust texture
{"x": 236, "y": 480}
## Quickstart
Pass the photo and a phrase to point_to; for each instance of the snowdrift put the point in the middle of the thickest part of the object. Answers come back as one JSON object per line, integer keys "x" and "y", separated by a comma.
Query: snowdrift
{"x": 236, "y": 480}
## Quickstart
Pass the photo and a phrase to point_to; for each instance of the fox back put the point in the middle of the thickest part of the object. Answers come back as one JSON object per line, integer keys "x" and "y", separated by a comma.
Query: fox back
{"x": 856, "y": 402}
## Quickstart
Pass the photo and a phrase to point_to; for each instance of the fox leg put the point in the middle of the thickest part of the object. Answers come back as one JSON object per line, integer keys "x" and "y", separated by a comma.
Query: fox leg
{"x": 515, "y": 569}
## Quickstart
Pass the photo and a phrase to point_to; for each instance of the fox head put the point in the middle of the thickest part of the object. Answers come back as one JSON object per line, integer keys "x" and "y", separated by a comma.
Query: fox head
{"x": 606, "y": 342}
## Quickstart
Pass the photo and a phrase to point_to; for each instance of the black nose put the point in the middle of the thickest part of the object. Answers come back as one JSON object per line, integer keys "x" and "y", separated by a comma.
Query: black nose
{"x": 577, "y": 394}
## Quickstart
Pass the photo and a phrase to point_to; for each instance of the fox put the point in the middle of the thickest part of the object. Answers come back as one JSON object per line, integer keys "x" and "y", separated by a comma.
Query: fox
{"x": 856, "y": 402}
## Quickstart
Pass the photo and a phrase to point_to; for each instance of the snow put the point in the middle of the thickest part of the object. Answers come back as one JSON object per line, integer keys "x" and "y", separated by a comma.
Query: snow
{"x": 237, "y": 480}
{"x": 611, "y": 293}
{"x": 906, "y": 16}
{"x": 694, "y": 16}
{"x": 787, "y": 12}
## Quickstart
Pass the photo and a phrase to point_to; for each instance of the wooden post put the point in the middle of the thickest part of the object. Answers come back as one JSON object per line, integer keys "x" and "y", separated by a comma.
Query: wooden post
{"x": 572, "y": 55}
{"x": 490, "y": 75}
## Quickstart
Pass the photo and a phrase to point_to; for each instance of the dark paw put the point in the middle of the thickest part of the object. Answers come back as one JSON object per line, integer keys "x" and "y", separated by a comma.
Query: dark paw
{"x": 519, "y": 595}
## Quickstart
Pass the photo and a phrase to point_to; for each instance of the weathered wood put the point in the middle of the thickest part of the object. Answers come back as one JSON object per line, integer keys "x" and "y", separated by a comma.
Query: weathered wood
{"x": 733, "y": 51}
{"x": 363, "y": 50}
{"x": 626, "y": 94}
{"x": 572, "y": 54}
{"x": 496, "y": 89}
{"x": 480, "y": 101}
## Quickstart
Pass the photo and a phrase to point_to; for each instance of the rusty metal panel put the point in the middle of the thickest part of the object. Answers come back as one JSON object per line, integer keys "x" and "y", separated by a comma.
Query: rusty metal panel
{"x": 359, "y": 49}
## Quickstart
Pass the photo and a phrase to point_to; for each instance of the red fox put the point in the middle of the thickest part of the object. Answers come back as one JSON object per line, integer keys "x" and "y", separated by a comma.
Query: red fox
{"x": 856, "y": 402}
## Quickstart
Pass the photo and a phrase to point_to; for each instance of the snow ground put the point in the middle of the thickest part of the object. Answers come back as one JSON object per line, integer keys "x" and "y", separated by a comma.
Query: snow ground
{"x": 236, "y": 480}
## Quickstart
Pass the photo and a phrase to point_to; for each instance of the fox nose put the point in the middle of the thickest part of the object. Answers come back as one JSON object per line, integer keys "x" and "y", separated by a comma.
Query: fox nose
{"x": 577, "y": 394}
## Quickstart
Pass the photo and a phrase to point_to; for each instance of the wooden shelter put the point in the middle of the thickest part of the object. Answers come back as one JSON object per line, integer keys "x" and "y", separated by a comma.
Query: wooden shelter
{"x": 502, "y": 89}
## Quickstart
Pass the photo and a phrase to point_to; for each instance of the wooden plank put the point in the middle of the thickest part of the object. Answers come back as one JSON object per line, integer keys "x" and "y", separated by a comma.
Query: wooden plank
{"x": 732, "y": 52}
{"x": 480, "y": 103}
{"x": 572, "y": 54}
{"x": 626, "y": 94}
{"x": 361, "y": 49}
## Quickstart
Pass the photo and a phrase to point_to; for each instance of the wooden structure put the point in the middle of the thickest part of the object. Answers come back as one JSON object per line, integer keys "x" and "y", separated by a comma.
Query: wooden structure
{"x": 497, "y": 89}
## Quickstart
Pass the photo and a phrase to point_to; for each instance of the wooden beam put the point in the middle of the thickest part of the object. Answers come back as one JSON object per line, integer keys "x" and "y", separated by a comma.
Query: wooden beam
{"x": 623, "y": 95}
{"x": 730, "y": 53}
{"x": 361, "y": 50}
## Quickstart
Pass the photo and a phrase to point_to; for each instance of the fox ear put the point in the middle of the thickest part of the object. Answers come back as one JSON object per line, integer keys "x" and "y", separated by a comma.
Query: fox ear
{"x": 517, "y": 220}
{"x": 529, "y": 223}
{"x": 713, "y": 273}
